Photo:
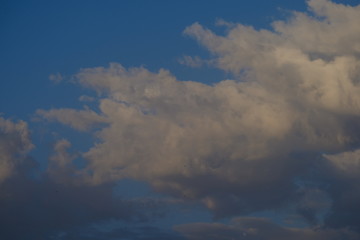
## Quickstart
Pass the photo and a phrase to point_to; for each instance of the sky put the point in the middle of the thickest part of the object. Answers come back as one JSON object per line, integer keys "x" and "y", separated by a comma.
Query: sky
{"x": 180, "y": 120}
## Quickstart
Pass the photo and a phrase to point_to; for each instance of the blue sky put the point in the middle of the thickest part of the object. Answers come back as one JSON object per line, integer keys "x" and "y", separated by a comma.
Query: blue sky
{"x": 180, "y": 119}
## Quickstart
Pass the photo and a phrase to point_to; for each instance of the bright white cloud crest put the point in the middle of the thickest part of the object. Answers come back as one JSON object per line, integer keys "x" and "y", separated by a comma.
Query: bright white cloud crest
{"x": 295, "y": 90}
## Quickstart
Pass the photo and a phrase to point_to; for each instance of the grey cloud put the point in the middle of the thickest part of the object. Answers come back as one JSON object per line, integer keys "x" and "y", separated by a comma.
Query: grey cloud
{"x": 15, "y": 143}
{"x": 258, "y": 229}
{"x": 343, "y": 178}
{"x": 190, "y": 61}
{"x": 133, "y": 233}
{"x": 61, "y": 167}
{"x": 44, "y": 205}
{"x": 80, "y": 120}
{"x": 346, "y": 163}
{"x": 42, "y": 209}
{"x": 85, "y": 98}
{"x": 56, "y": 78}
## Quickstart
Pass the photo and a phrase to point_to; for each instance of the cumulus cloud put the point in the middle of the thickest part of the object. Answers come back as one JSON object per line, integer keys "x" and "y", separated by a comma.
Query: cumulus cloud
{"x": 240, "y": 145}
{"x": 306, "y": 58}
{"x": 15, "y": 143}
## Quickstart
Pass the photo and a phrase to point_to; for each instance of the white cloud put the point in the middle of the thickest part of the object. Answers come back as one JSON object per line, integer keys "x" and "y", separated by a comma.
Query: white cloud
{"x": 231, "y": 145}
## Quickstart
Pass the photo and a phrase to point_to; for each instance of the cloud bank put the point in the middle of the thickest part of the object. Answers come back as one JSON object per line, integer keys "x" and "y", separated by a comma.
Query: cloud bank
{"x": 245, "y": 144}
{"x": 259, "y": 229}
{"x": 55, "y": 204}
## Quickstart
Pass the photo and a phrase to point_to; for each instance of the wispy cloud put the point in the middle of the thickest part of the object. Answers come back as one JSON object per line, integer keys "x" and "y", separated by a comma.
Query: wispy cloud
{"x": 190, "y": 61}
{"x": 56, "y": 78}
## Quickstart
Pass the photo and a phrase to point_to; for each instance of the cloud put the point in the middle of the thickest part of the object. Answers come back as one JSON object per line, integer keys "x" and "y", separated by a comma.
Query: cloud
{"x": 56, "y": 78}
{"x": 241, "y": 145}
{"x": 15, "y": 143}
{"x": 346, "y": 163}
{"x": 190, "y": 61}
{"x": 330, "y": 32}
{"x": 55, "y": 204}
{"x": 85, "y": 98}
{"x": 43, "y": 209}
{"x": 308, "y": 59}
{"x": 133, "y": 233}
{"x": 81, "y": 120}
{"x": 61, "y": 168}
{"x": 259, "y": 229}
{"x": 343, "y": 178}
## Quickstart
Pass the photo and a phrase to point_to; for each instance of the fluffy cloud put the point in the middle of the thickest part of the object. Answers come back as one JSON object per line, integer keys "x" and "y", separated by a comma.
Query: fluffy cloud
{"x": 312, "y": 61}
{"x": 239, "y": 145}
{"x": 15, "y": 143}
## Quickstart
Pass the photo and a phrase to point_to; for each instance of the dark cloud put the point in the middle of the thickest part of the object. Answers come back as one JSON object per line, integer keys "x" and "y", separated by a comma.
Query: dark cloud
{"x": 259, "y": 229}
{"x": 264, "y": 186}
{"x": 342, "y": 180}
{"x": 133, "y": 233}
{"x": 38, "y": 209}
{"x": 46, "y": 204}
